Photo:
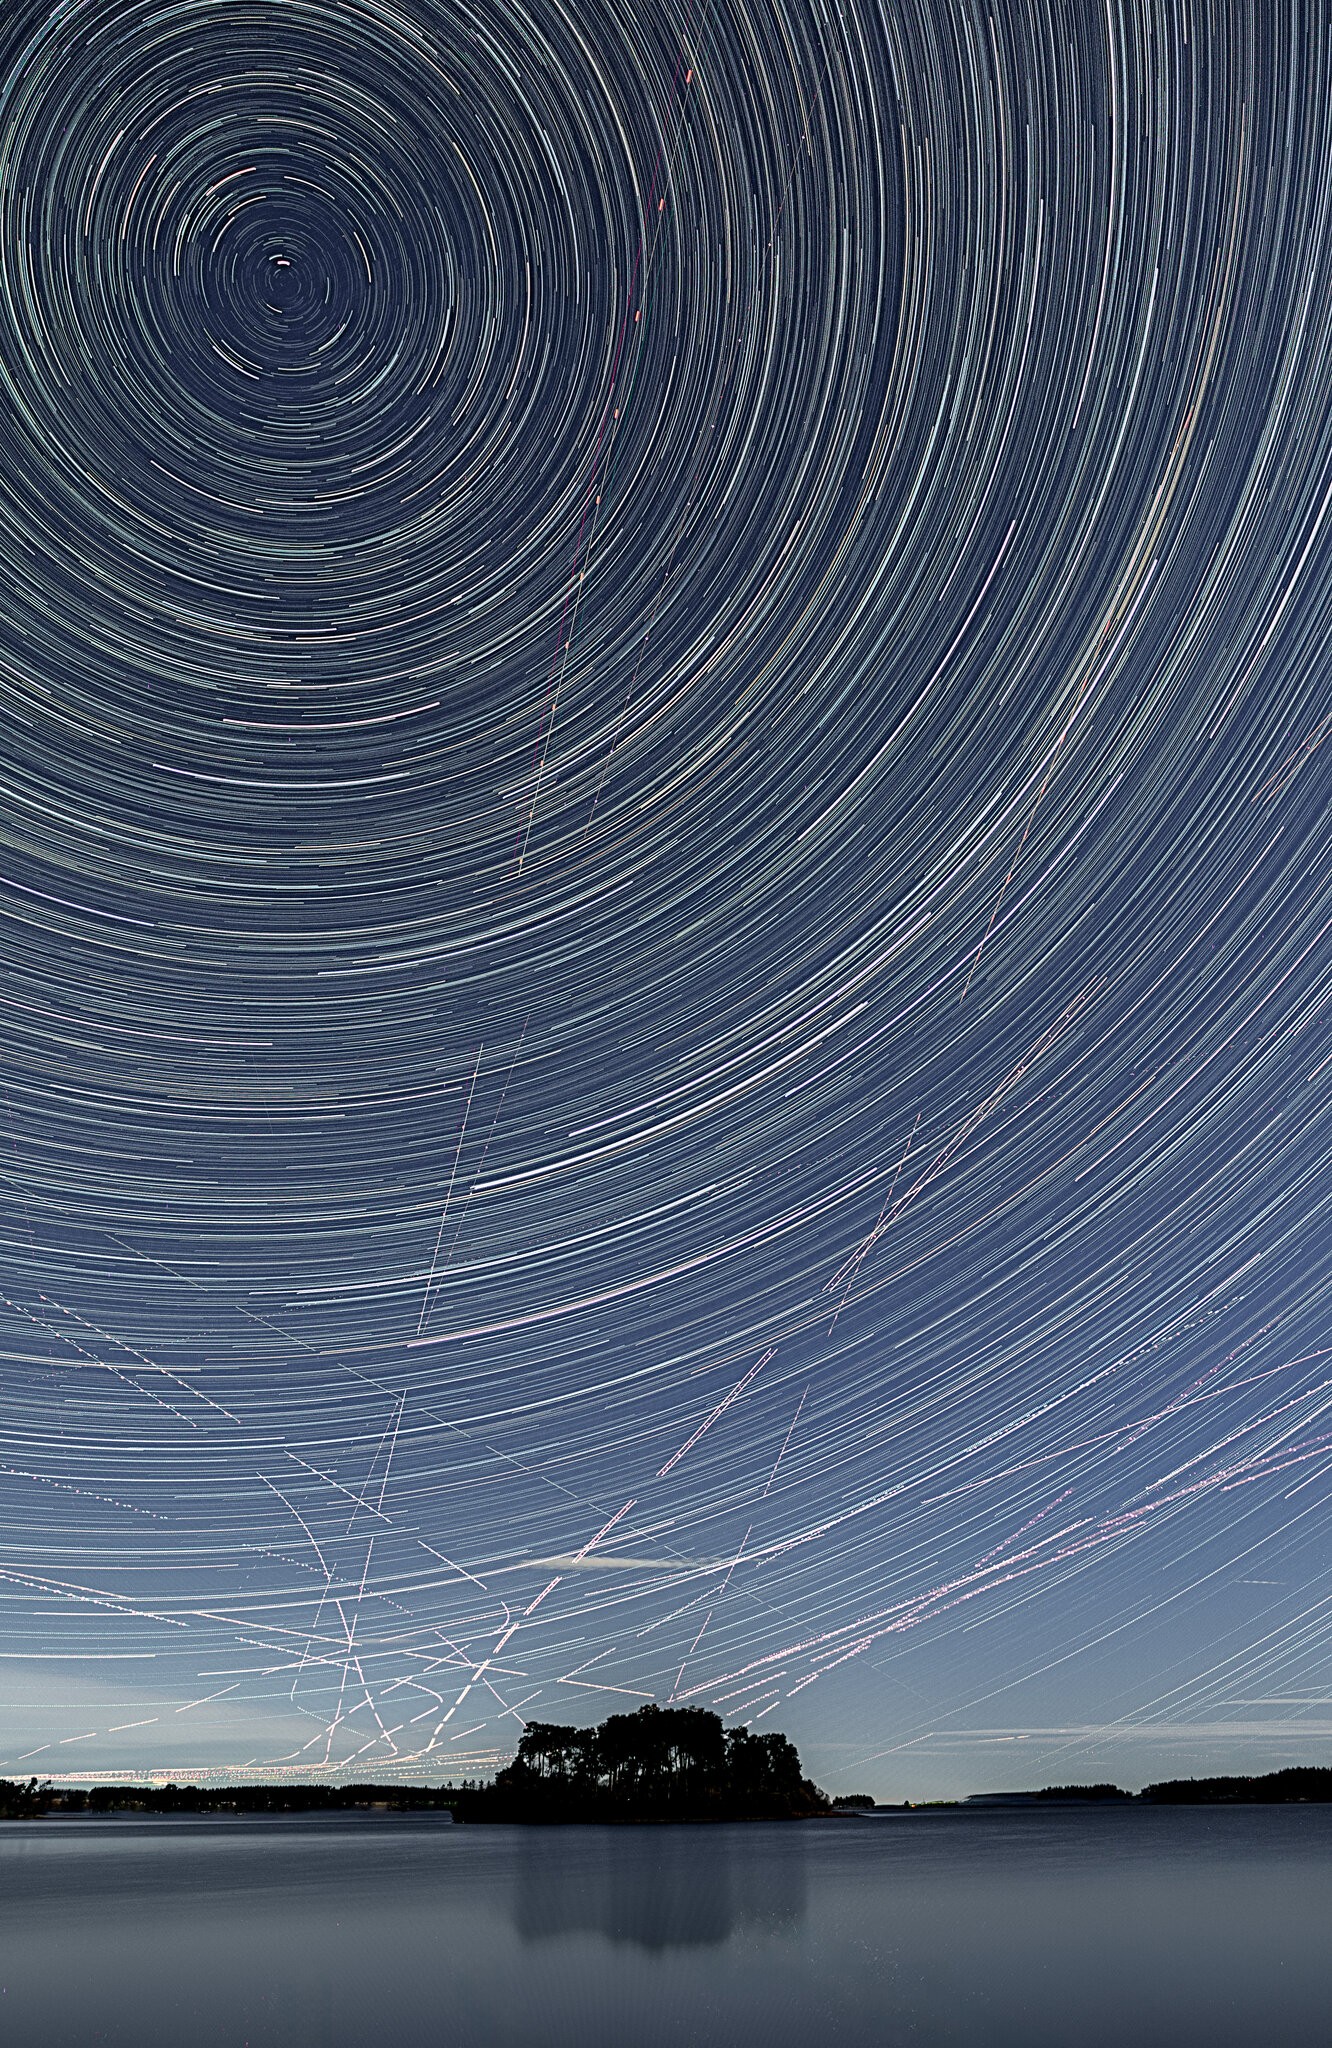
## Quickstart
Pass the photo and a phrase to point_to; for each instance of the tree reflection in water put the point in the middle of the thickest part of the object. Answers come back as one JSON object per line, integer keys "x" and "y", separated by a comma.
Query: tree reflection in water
{"x": 658, "y": 1887}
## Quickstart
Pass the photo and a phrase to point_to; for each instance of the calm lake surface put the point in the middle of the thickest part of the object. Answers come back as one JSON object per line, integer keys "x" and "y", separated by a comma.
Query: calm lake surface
{"x": 1143, "y": 1927}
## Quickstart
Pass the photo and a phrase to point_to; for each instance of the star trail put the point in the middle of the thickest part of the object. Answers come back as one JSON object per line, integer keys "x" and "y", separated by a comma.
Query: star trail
{"x": 667, "y": 925}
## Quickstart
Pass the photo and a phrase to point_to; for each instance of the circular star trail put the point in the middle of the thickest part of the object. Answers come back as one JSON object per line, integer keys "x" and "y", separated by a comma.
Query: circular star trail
{"x": 667, "y": 927}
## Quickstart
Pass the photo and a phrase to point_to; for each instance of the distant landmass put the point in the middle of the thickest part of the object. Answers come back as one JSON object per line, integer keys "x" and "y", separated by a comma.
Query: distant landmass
{"x": 1308, "y": 1782}
{"x": 36, "y": 1798}
{"x": 659, "y": 1764}
{"x": 1304, "y": 1782}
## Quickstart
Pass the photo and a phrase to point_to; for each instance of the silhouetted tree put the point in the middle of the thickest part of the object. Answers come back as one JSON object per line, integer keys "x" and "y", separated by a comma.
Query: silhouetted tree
{"x": 658, "y": 1763}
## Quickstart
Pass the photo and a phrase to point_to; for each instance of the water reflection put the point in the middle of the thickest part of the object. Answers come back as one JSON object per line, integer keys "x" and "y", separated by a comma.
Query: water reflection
{"x": 658, "y": 1888}
{"x": 1169, "y": 1928}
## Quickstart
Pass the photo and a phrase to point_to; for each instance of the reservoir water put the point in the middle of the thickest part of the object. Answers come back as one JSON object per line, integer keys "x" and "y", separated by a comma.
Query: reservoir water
{"x": 1012, "y": 1928}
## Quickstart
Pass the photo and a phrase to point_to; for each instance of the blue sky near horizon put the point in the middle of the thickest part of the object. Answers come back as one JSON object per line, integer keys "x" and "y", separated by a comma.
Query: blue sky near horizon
{"x": 667, "y": 912}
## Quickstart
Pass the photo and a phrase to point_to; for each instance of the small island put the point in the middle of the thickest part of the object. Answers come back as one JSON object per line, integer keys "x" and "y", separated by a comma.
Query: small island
{"x": 661, "y": 1763}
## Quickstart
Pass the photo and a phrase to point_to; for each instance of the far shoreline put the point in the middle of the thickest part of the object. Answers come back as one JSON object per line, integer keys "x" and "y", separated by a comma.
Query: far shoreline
{"x": 34, "y": 1800}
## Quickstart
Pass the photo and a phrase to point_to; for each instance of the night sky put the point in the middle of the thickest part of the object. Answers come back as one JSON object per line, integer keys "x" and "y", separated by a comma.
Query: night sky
{"x": 667, "y": 918}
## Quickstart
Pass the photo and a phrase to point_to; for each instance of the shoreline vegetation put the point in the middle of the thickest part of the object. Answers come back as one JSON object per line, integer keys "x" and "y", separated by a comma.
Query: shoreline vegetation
{"x": 660, "y": 1764}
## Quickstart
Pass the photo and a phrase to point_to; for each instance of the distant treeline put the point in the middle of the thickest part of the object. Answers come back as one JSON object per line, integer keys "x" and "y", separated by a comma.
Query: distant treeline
{"x": 1303, "y": 1782}
{"x": 35, "y": 1797}
{"x": 661, "y": 1763}
{"x": 1308, "y": 1782}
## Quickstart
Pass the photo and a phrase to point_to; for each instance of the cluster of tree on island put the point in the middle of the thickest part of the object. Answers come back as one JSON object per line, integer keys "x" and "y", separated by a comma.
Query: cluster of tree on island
{"x": 659, "y": 1764}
